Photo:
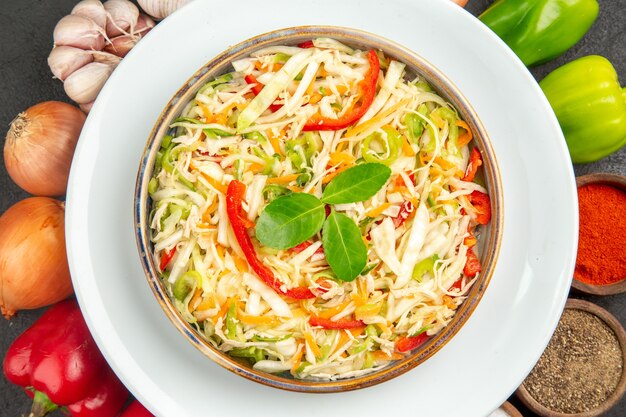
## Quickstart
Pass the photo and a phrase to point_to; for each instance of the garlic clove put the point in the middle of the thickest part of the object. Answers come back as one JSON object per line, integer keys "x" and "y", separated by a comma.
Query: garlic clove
{"x": 92, "y": 9}
{"x": 84, "y": 84}
{"x": 106, "y": 57}
{"x": 121, "y": 45}
{"x": 78, "y": 31}
{"x": 64, "y": 60}
{"x": 160, "y": 9}
{"x": 122, "y": 16}
{"x": 86, "y": 108}
{"x": 144, "y": 24}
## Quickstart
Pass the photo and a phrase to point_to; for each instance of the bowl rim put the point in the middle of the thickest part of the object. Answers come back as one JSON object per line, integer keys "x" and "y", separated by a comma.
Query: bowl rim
{"x": 617, "y": 181}
{"x": 617, "y": 328}
{"x": 292, "y": 36}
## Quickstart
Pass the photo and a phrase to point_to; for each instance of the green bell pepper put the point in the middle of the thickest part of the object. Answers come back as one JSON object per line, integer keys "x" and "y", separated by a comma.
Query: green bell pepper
{"x": 540, "y": 30}
{"x": 590, "y": 105}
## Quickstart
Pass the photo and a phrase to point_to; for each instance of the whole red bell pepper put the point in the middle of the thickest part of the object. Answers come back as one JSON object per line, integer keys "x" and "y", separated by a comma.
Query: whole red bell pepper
{"x": 234, "y": 199}
{"x": 367, "y": 88}
{"x": 58, "y": 363}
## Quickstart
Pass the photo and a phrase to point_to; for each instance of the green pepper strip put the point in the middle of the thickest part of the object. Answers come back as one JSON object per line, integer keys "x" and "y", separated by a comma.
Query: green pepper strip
{"x": 257, "y": 136}
{"x": 392, "y": 146}
{"x": 216, "y": 133}
{"x": 231, "y": 321}
{"x": 185, "y": 283}
{"x": 424, "y": 266}
{"x": 167, "y": 163}
{"x": 251, "y": 352}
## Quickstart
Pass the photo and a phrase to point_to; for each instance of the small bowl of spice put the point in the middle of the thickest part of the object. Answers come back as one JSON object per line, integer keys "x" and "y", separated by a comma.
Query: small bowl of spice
{"x": 506, "y": 410}
{"x": 601, "y": 260}
{"x": 581, "y": 373}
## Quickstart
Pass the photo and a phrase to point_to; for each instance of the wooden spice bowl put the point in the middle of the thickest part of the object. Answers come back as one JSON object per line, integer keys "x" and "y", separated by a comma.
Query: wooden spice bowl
{"x": 617, "y": 181}
{"x": 610, "y": 320}
{"x": 510, "y": 409}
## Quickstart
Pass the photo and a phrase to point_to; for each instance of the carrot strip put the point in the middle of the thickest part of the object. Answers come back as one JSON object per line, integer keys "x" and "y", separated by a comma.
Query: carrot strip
{"x": 222, "y": 312}
{"x": 407, "y": 149}
{"x": 466, "y": 137}
{"x": 377, "y": 211}
{"x": 297, "y": 360}
{"x": 379, "y": 355}
{"x": 208, "y": 117}
{"x": 283, "y": 180}
{"x": 257, "y": 320}
{"x": 310, "y": 341}
{"x": 329, "y": 177}
{"x": 330, "y": 312}
{"x": 337, "y": 158}
{"x": 194, "y": 300}
{"x": 374, "y": 120}
{"x": 214, "y": 183}
{"x": 274, "y": 142}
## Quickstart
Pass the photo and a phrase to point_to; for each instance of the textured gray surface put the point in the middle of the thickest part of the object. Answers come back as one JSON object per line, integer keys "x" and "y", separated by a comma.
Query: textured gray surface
{"x": 26, "y": 30}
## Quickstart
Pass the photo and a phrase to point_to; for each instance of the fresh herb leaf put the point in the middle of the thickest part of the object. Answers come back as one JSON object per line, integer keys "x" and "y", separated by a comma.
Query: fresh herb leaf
{"x": 358, "y": 183}
{"x": 343, "y": 246}
{"x": 290, "y": 220}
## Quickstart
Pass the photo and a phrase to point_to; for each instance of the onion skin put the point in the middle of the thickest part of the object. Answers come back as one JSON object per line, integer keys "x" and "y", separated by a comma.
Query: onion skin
{"x": 39, "y": 147}
{"x": 33, "y": 263}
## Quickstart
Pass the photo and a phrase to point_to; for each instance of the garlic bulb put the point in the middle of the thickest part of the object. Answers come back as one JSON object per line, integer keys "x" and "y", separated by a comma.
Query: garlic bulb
{"x": 122, "y": 17}
{"x": 64, "y": 60}
{"x": 80, "y": 32}
{"x": 160, "y": 9}
{"x": 92, "y": 9}
{"x": 83, "y": 85}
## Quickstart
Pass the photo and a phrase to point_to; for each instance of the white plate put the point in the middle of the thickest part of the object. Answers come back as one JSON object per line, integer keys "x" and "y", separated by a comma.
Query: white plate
{"x": 476, "y": 371}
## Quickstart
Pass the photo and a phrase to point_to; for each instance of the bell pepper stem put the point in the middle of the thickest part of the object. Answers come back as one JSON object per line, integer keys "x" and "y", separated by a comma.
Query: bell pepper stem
{"x": 41, "y": 405}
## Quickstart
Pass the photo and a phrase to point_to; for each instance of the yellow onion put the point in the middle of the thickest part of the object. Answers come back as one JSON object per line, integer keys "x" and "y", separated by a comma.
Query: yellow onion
{"x": 33, "y": 263}
{"x": 39, "y": 147}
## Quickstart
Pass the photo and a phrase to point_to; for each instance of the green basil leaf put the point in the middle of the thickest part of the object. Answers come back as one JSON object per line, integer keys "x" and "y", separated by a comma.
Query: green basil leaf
{"x": 290, "y": 220}
{"x": 343, "y": 245}
{"x": 358, "y": 183}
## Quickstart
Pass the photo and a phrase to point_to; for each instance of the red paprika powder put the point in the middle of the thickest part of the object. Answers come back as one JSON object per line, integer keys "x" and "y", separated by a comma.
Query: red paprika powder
{"x": 601, "y": 256}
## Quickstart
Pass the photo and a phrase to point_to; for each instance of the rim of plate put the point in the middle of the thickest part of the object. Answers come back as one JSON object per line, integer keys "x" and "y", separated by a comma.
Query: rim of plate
{"x": 356, "y": 38}
{"x": 510, "y": 78}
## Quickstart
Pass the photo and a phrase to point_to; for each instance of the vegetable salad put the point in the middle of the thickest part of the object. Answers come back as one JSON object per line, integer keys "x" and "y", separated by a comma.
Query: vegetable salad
{"x": 316, "y": 211}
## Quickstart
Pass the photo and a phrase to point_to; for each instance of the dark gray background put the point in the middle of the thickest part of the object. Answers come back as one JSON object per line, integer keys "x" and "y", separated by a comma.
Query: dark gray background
{"x": 26, "y": 32}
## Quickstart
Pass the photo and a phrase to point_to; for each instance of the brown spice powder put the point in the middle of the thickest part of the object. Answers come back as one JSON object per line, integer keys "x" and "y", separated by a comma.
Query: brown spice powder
{"x": 581, "y": 366}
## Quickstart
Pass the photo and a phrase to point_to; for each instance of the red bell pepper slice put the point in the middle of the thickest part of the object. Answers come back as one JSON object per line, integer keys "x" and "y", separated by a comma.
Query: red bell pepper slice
{"x": 256, "y": 89}
{"x": 475, "y": 162}
{"x": 367, "y": 88}
{"x": 482, "y": 205}
{"x": 166, "y": 258}
{"x": 306, "y": 45}
{"x": 335, "y": 325}
{"x": 302, "y": 246}
{"x": 472, "y": 264}
{"x": 405, "y": 211}
{"x": 58, "y": 359}
{"x": 405, "y": 344}
{"x": 136, "y": 409}
{"x": 234, "y": 198}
